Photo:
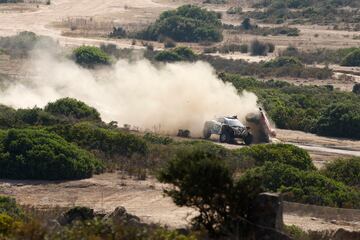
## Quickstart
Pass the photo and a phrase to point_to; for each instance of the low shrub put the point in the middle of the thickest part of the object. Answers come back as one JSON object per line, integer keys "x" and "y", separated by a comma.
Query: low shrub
{"x": 37, "y": 154}
{"x": 344, "y": 170}
{"x": 118, "y": 32}
{"x": 310, "y": 187}
{"x": 8, "y": 206}
{"x": 157, "y": 139}
{"x": 72, "y": 108}
{"x": 284, "y": 62}
{"x": 352, "y": 59}
{"x": 111, "y": 142}
{"x": 176, "y": 54}
{"x": 258, "y": 48}
{"x": 340, "y": 120}
{"x": 283, "y": 153}
{"x": 356, "y": 88}
{"x": 89, "y": 56}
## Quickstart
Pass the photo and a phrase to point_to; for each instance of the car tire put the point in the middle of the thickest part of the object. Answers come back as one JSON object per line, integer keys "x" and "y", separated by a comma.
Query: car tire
{"x": 206, "y": 134}
{"x": 225, "y": 137}
{"x": 248, "y": 139}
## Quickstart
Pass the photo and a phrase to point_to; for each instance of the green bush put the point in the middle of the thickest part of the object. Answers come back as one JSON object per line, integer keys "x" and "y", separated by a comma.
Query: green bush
{"x": 8, "y": 206}
{"x": 307, "y": 108}
{"x": 157, "y": 139}
{"x": 7, "y": 224}
{"x": 340, "y": 120}
{"x": 7, "y": 116}
{"x": 283, "y": 62}
{"x": 258, "y": 48}
{"x": 356, "y": 88}
{"x": 310, "y": 187}
{"x": 176, "y": 54}
{"x": 344, "y": 170}
{"x": 110, "y": 142}
{"x": 283, "y": 153}
{"x": 37, "y": 154}
{"x": 187, "y": 23}
{"x": 352, "y": 59}
{"x": 201, "y": 180}
{"x": 89, "y": 56}
{"x": 72, "y": 108}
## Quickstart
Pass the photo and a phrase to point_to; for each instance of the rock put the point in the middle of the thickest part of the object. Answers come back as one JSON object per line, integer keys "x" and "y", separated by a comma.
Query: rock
{"x": 76, "y": 214}
{"x": 313, "y": 218}
{"x": 333, "y": 221}
{"x": 120, "y": 215}
{"x": 267, "y": 211}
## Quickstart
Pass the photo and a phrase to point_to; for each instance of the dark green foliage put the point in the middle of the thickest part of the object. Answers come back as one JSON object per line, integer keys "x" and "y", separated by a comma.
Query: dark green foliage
{"x": 37, "y": 154}
{"x": 89, "y": 56}
{"x": 258, "y": 48}
{"x": 176, "y": 54}
{"x": 72, "y": 108}
{"x": 352, "y": 59}
{"x": 110, "y": 142}
{"x": 20, "y": 45}
{"x": 7, "y": 116}
{"x": 169, "y": 43}
{"x": 307, "y": 108}
{"x": 344, "y": 170}
{"x": 356, "y": 88}
{"x": 283, "y": 153}
{"x": 309, "y": 187}
{"x": 167, "y": 56}
{"x": 335, "y": 56}
{"x": 118, "y": 32}
{"x": 188, "y": 23}
{"x": 201, "y": 180}
{"x": 246, "y": 24}
{"x": 8, "y": 206}
{"x": 245, "y": 68}
{"x": 157, "y": 139}
{"x": 340, "y": 120}
{"x": 283, "y": 62}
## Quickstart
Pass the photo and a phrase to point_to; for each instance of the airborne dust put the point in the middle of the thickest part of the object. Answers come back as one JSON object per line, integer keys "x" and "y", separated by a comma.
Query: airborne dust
{"x": 164, "y": 99}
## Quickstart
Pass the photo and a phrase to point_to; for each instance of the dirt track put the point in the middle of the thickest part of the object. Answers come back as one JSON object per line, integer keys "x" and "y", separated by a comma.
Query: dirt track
{"x": 143, "y": 198}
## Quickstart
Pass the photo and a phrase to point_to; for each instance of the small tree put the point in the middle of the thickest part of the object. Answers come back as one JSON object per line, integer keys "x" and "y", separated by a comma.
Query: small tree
{"x": 356, "y": 88}
{"x": 352, "y": 59}
{"x": 246, "y": 24}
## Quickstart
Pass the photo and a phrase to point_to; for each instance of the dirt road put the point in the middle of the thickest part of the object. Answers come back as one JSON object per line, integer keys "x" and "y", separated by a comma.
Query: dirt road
{"x": 145, "y": 199}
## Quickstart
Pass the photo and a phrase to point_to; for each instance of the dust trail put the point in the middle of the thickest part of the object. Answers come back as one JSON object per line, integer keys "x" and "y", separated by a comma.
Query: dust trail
{"x": 170, "y": 97}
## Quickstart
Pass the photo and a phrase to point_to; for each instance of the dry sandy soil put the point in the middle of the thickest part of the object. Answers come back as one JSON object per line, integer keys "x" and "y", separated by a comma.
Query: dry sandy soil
{"x": 143, "y": 198}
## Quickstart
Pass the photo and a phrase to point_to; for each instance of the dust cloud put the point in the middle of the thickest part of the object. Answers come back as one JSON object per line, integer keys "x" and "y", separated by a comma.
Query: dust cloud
{"x": 165, "y": 99}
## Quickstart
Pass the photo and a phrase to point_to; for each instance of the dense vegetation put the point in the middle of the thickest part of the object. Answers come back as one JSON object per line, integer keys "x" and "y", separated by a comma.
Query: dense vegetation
{"x": 188, "y": 23}
{"x": 336, "y": 56}
{"x": 315, "y": 12}
{"x": 36, "y": 154}
{"x": 344, "y": 170}
{"x": 206, "y": 178}
{"x": 89, "y": 56}
{"x": 314, "y": 109}
{"x": 275, "y": 68}
{"x": 72, "y": 108}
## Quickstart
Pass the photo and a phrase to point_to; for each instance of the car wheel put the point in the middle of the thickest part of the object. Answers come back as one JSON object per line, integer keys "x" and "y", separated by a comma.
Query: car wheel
{"x": 248, "y": 139}
{"x": 224, "y": 137}
{"x": 207, "y": 134}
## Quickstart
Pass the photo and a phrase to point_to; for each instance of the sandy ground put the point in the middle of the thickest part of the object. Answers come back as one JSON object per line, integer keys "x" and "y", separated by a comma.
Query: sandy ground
{"x": 145, "y": 199}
